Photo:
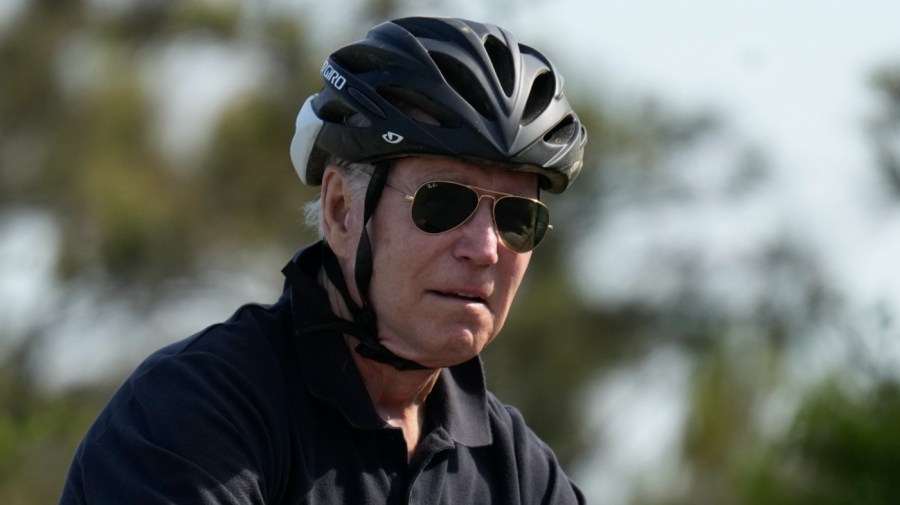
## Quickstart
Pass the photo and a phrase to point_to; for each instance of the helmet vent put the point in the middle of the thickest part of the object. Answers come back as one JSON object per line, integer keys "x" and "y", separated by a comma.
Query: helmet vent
{"x": 414, "y": 104}
{"x": 542, "y": 90}
{"x": 357, "y": 60}
{"x": 420, "y": 28}
{"x": 336, "y": 111}
{"x": 563, "y": 131}
{"x": 501, "y": 59}
{"x": 464, "y": 82}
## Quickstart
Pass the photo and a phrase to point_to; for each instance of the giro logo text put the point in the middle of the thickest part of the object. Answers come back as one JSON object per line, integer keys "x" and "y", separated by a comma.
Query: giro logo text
{"x": 333, "y": 76}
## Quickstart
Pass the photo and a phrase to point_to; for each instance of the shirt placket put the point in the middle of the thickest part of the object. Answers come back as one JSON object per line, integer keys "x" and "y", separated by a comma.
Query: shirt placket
{"x": 426, "y": 474}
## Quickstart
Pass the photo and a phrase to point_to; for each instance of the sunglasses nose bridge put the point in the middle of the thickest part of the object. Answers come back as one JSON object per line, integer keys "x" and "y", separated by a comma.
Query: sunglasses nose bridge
{"x": 474, "y": 212}
{"x": 488, "y": 233}
{"x": 493, "y": 206}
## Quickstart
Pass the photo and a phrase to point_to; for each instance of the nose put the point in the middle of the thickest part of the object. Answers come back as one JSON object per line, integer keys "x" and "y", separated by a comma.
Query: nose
{"x": 478, "y": 240}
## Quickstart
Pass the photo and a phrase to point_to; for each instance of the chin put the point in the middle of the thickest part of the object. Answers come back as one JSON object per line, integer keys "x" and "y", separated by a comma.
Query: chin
{"x": 446, "y": 361}
{"x": 444, "y": 347}
{"x": 464, "y": 352}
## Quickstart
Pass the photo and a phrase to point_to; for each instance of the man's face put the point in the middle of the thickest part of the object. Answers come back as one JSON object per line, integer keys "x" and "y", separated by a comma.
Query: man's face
{"x": 440, "y": 299}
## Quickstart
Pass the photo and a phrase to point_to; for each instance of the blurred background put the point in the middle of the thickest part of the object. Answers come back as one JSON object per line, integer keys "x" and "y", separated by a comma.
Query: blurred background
{"x": 713, "y": 321}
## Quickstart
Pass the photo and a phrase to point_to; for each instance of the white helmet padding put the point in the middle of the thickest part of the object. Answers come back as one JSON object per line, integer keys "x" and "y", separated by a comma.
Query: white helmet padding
{"x": 307, "y": 130}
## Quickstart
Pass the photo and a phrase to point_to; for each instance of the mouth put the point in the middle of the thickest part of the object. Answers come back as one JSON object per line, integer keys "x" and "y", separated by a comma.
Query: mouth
{"x": 461, "y": 295}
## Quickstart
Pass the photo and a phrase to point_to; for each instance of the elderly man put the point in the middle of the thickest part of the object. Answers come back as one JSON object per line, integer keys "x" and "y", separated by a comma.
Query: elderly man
{"x": 431, "y": 141}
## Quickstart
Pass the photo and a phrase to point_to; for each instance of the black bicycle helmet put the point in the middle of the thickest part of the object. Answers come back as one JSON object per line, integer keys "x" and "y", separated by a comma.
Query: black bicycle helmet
{"x": 439, "y": 87}
{"x": 494, "y": 101}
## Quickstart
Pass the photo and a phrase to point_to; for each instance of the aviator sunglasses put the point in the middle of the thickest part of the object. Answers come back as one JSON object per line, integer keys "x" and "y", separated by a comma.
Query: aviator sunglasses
{"x": 441, "y": 206}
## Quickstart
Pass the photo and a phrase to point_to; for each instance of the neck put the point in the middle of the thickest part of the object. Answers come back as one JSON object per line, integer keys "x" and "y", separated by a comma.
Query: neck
{"x": 398, "y": 396}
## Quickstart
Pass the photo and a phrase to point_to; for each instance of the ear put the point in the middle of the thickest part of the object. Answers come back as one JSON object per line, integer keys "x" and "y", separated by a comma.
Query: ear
{"x": 339, "y": 216}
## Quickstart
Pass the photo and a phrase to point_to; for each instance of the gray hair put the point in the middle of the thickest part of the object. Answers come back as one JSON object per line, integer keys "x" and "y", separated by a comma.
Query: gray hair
{"x": 356, "y": 177}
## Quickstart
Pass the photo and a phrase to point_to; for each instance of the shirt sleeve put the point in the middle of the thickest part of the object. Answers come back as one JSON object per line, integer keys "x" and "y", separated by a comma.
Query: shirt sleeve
{"x": 188, "y": 429}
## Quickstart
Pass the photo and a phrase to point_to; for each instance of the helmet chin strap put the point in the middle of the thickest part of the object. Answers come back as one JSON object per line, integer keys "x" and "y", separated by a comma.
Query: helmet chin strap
{"x": 364, "y": 325}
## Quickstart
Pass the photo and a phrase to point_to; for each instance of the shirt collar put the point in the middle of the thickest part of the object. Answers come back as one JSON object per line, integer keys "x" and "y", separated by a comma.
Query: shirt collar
{"x": 325, "y": 362}
{"x": 459, "y": 404}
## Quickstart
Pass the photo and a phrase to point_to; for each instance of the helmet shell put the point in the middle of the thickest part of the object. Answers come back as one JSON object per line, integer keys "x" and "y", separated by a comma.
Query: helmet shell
{"x": 441, "y": 87}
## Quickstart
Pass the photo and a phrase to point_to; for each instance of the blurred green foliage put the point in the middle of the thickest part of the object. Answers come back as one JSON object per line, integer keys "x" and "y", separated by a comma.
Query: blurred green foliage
{"x": 844, "y": 448}
{"x": 39, "y": 431}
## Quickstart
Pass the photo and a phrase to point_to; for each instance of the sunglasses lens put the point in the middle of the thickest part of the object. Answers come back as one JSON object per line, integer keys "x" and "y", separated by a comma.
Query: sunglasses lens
{"x": 521, "y": 222}
{"x": 442, "y": 206}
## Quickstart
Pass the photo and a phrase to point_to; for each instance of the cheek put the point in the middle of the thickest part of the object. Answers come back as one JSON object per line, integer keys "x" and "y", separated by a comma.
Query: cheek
{"x": 512, "y": 277}
{"x": 389, "y": 226}
{"x": 518, "y": 267}
{"x": 395, "y": 256}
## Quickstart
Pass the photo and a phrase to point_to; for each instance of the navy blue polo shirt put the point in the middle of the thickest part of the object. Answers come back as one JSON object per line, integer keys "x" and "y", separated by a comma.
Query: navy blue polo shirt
{"x": 243, "y": 413}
